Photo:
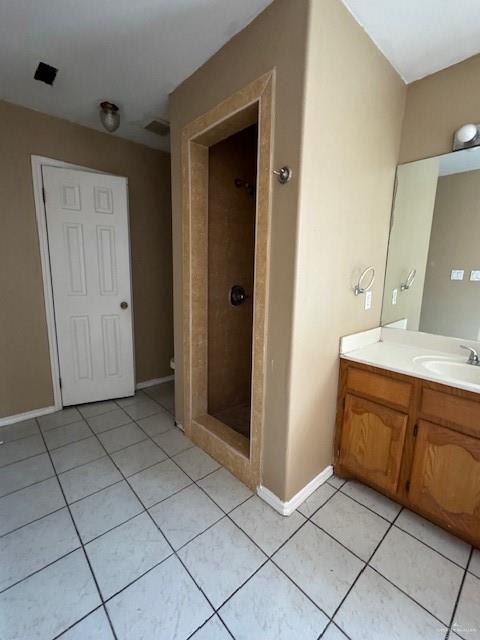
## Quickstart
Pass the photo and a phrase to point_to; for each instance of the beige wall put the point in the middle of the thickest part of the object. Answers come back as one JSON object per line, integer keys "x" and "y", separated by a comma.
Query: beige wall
{"x": 436, "y": 106}
{"x": 354, "y": 106}
{"x": 274, "y": 40}
{"x": 25, "y": 379}
{"x": 409, "y": 240}
{"x": 452, "y": 308}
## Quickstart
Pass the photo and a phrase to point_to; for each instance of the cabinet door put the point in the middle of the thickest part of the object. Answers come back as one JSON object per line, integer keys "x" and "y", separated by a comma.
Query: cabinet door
{"x": 372, "y": 442}
{"x": 445, "y": 481}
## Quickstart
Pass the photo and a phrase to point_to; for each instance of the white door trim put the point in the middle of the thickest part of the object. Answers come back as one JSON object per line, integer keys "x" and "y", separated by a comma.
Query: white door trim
{"x": 40, "y": 212}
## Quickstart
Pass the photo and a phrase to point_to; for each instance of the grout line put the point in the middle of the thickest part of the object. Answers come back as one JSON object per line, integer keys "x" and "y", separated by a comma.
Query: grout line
{"x": 62, "y": 633}
{"x": 31, "y": 521}
{"x": 10, "y": 464}
{"x": 455, "y": 606}
{"x": 27, "y": 486}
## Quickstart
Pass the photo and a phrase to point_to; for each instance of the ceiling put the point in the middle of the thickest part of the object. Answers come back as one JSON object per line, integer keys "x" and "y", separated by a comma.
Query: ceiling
{"x": 420, "y": 37}
{"x": 130, "y": 52}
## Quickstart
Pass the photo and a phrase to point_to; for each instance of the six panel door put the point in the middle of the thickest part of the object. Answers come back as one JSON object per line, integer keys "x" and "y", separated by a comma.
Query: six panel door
{"x": 87, "y": 222}
{"x": 372, "y": 442}
{"x": 445, "y": 480}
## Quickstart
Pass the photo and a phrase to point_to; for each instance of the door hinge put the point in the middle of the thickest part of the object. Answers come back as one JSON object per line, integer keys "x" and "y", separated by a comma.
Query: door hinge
{"x": 60, "y": 382}
{"x": 44, "y": 196}
{"x": 415, "y": 430}
{"x": 407, "y": 486}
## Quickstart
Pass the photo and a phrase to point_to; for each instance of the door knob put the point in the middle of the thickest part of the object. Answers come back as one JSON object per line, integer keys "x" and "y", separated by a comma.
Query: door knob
{"x": 237, "y": 295}
{"x": 124, "y": 305}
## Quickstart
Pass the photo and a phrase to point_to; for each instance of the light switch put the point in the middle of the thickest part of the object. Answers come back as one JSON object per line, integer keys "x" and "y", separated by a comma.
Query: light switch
{"x": 474, "y": 276}
{"x": 394, "y": 296}
{"x": 368, "y": 300}
{"x": 457, "y": 274}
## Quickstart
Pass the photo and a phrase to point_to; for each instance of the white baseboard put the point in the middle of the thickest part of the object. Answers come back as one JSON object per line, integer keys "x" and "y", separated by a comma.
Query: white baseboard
{"x": 287, "y": 508}
{"x": 28, "y": 415}
{"x": 152, "y": 383}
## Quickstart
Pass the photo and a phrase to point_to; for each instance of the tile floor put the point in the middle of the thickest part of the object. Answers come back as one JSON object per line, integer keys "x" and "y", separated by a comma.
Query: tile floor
{"x": 113, "y": 525}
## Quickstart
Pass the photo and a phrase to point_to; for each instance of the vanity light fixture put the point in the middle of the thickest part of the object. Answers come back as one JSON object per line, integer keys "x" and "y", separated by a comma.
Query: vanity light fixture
{"x": 467, "y": 136}
{"x": 109, "y": 116}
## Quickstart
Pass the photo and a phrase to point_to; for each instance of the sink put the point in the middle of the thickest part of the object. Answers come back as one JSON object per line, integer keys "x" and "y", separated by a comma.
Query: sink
{"x": 445, "y": 367}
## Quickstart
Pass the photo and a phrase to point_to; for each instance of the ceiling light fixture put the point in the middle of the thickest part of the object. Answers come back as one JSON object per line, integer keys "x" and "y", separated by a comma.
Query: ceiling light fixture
{"x": 109, "y": 116}
{"x": 467, "y": 136}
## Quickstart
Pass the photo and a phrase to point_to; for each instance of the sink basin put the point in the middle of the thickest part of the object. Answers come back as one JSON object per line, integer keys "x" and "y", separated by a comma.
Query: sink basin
{"x": 449, "y": 368}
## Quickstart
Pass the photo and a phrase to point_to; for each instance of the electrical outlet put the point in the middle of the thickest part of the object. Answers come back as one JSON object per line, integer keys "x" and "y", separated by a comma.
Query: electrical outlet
{"x": 457, "y": 274}
{"x": 394, "y": 296}
{"x": 368, "y": 300}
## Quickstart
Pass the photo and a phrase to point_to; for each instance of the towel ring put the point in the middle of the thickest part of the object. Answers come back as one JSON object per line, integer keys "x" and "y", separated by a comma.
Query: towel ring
{"x": 362, "y": 288}
{"x": 409, "y": 281}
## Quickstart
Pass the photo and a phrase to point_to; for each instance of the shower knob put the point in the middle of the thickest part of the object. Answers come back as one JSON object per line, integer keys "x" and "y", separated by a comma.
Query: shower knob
{"x": 237, "y": 295}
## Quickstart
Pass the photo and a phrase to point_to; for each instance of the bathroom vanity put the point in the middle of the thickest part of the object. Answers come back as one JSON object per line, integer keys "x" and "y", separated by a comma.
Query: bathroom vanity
{"x": 412, "y": 438}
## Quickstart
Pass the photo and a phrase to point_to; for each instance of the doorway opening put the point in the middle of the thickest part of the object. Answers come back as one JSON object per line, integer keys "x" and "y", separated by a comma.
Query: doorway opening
{"x": 226, "y": 195}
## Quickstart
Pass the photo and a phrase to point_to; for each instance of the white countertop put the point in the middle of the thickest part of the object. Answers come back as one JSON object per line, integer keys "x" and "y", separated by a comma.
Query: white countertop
{"x": 411, "y": 353}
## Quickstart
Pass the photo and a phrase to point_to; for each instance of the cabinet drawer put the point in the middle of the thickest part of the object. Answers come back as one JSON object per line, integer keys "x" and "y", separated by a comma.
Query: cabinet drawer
{"x": 446, "y": 407}
{"x": 380, "y": 387}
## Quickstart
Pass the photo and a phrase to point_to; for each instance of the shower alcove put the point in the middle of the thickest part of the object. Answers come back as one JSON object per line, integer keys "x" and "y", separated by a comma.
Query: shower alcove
{"x": 226, "y": 204}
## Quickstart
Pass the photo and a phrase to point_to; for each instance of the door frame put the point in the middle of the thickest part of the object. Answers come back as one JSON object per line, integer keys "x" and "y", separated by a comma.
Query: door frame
{"x": 41, "y": 217}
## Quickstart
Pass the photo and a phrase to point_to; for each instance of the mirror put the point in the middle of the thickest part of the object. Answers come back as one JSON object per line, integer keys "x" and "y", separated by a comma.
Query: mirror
{"x": 432, "y": 280}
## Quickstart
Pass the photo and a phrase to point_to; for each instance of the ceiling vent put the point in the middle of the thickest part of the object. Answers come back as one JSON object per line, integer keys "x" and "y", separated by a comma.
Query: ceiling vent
{"x": 158, "y": 126}
{"x": 45, "y": 73}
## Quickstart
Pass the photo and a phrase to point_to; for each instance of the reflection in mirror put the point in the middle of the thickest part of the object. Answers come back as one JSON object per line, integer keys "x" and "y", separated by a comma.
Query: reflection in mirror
{"x": 435, "y": 235}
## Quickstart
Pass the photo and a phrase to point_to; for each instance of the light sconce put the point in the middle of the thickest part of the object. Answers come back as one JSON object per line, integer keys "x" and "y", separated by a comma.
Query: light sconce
{"x": 466, "y": 137}
{"x": 109, "y": 116}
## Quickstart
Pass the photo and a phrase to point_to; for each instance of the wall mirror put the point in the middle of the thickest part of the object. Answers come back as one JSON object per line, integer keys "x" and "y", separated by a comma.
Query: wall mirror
{"x": 432, "y": 280}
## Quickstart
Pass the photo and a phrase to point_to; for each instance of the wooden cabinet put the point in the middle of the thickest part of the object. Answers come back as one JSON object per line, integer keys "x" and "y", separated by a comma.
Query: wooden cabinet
{"x": 372, "y": 442}
{"x": 416, "y": 441}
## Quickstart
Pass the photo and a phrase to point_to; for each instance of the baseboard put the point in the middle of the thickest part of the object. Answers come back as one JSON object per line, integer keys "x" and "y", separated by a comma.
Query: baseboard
{"x": 152, "y": 383}
{"x": 28, "y": 415}
{"x": 287, "y": 508}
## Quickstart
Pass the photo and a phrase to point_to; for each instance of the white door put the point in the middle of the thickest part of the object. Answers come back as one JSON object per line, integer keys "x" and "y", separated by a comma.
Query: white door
{"x": 87, "y": 224}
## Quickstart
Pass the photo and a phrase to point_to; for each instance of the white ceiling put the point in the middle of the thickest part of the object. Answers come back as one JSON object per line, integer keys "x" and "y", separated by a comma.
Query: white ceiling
{"x": 130, "y": 52}
{"x": 420, "y": 37}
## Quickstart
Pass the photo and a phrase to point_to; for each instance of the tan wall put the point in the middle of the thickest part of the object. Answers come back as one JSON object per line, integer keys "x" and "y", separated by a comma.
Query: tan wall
{"x": 231, "y": 252}
{"x": 409, "y": 240}
{"x": 354, "y": 106}
{"x": 452, "y": 308}
{"x": 274, "y": 40}
{"x": 25, "y": 379}
{"x": 436, "y": 106}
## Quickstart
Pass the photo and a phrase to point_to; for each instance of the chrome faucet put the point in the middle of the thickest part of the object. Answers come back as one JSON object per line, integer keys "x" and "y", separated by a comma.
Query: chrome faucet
{"x": 473, "y": 357}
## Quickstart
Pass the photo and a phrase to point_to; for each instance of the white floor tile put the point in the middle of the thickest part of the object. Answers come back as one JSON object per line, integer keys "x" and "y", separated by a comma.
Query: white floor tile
{"x": 69, "y": 433}
{"x": 429, "y": 578}
{"x": 17, "y": 450}
{"x": 137, "y": 457}
{"x": 225, "y": 489}
{"x": 355, "y": 526}
{"x": 121, "y": 437}
{"x": 77, "y": 453}
{"x": 26, "y": 609}
{"x": 221, "y": 559}
{"x": 109, "y": 420}
{"x": 271, "y": 607}
{"x": 265, "y": 526}
{"x": 316, "y": 500}
{"x": 59, "y": 418}
{"x": 375, "y": 610}
{"x": 467, "y": 616}
{"x": 21, "y": 474}
{"x": 124, "y": 402}
{"x": 23, "y": 429}
{"x": 32, "y": 547}
{"x": 372, "y": 499}
{"x": 163, "y": 604}
{"x": 158, "y": 482}
{"x": 196, "y": 463}
{"x": 157, "y": 423}
{"x": 97, "y": 408}
{"x": 173, "y": 442}
{"x": 212, "y": 630}
{"x": 336, "y": 482}
{"x": 94, "y": 627}
{"x": 142, "y": 408}
{"x": 334, "y": 633}
{"x": 125, "y": 553}
{"x": 104, "y": 510}
{"x": 82, "y": 481}
{"x": 474, "y": 566}
{"x": 185, "y": 514}
{"x": 319, "y": 565}
{"x": 446, "y": 544}
{"x": 31, "y": 503}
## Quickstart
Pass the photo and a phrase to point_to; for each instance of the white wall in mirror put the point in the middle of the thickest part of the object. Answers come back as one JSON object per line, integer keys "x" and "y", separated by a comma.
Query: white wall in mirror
{"x": 435, "y": 230}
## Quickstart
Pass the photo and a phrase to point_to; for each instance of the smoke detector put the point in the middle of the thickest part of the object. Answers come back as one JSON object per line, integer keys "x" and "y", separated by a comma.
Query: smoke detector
{"x": 159, "y": 126}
